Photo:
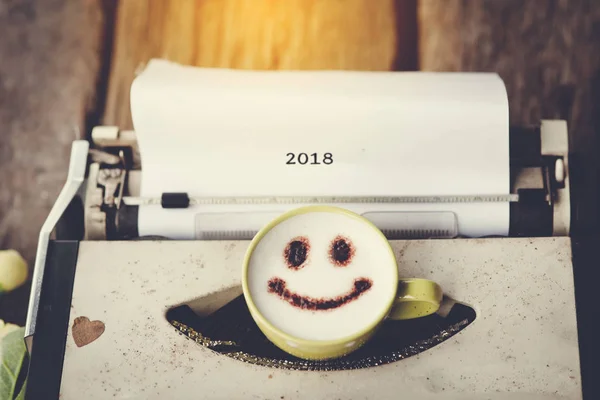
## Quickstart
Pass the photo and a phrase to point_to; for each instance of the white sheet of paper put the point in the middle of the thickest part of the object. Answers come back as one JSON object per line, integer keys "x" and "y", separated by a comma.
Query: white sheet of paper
{"x": 218, "y": 132}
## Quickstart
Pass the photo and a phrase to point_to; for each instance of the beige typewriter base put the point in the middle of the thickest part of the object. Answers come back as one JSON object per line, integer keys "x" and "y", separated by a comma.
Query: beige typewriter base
{"x": 523, "y": 344}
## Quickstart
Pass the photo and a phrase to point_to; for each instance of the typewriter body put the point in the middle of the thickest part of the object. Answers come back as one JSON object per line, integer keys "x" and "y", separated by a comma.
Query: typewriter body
{"x": 106, "y": 278}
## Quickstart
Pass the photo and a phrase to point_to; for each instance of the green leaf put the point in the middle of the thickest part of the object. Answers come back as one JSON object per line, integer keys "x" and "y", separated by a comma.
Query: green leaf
{"x": 12, "y": 354}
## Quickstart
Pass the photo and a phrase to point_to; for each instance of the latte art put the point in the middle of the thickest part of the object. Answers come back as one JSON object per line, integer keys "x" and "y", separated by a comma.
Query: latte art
{"x": 296, "y": 252}
{"x": 341, "y": 251}
{"x": 322, "y": 275}
{"x": 278, "y": 286}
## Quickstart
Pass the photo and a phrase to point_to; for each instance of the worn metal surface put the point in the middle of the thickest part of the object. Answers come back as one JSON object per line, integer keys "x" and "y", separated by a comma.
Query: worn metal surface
{"x": 523, "y": 343}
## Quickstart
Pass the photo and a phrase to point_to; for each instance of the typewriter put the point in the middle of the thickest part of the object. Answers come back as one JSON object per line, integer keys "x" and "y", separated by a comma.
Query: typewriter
{"x": 146, "y": 239}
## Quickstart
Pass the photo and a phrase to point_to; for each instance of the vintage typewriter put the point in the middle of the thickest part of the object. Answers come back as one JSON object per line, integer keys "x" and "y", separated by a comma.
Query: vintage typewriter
{"x": 136, "y": 290}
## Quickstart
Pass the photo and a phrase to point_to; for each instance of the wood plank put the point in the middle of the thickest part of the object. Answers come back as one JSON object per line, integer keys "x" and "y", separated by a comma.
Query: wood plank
{"x": 49, "y": 68}
{"x": 259, "y": 34}
{"x": 546, "y": 51}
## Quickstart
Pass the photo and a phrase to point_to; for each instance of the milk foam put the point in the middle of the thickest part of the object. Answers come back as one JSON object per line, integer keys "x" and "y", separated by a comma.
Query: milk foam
{"x": 319, "y": 278}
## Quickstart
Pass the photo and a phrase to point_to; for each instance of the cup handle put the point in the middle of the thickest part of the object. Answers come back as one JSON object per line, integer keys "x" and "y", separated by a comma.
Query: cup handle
{"x": 416, "y": 298}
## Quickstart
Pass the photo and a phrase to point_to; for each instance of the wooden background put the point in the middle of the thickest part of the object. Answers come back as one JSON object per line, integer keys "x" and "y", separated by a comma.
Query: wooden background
{"x": 66, "y": 66}
{"x": 50, "y": 62}
{"x": 259, "y": 34}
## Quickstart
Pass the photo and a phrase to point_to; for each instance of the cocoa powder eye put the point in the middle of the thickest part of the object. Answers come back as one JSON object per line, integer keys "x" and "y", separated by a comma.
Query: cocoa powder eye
{"x": 296, "y": 252}
{"x": 341, "y": 251}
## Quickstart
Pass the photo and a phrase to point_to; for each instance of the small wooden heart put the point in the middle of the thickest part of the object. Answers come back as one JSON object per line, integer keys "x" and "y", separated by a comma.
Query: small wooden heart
{"x": 86, "y": 331}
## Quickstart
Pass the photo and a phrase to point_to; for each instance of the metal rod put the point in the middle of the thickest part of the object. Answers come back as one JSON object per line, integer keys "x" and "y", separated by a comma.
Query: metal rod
{"x": 251, "y": 200}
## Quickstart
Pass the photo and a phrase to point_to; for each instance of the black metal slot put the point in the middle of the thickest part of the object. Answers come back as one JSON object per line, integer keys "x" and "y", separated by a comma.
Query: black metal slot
{"x": 532, "y": 216}
{"x": 236, "y": 335}
{"x": 525, "y": 147}
{"x": 45, "y": 367}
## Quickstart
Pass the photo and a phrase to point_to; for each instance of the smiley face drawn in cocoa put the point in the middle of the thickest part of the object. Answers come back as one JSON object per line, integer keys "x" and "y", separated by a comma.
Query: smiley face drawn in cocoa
{"x": 296, "y": 254}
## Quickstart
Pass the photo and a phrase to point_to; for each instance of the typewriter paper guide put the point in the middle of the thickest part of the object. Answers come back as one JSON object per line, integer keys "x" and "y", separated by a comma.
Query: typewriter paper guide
{"x": 218, "y": 132}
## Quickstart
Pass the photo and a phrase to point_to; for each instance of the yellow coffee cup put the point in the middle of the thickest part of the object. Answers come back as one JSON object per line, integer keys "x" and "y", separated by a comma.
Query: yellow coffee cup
{"x": 412, "y": 298}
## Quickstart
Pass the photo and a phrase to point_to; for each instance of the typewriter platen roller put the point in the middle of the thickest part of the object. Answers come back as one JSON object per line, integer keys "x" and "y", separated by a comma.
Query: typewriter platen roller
{"x": 539, "y": 195}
